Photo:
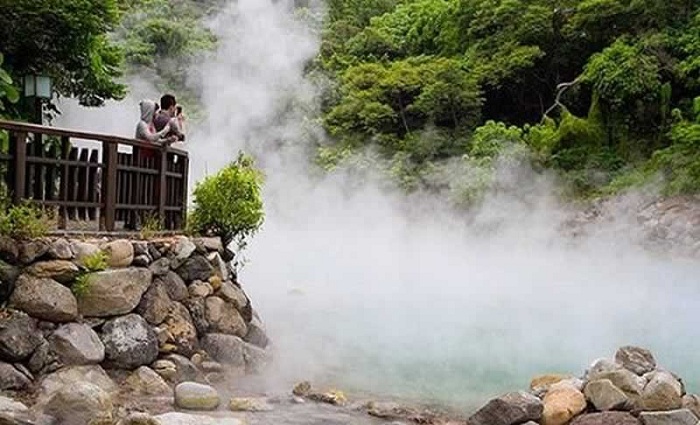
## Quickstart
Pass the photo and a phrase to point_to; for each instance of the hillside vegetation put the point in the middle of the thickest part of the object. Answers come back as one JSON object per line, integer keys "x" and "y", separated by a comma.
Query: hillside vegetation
{"x": 606, "y": 93}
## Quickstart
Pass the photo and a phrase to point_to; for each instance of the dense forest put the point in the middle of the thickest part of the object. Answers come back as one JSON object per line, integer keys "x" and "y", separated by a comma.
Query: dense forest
{"x": 605, "y": 93}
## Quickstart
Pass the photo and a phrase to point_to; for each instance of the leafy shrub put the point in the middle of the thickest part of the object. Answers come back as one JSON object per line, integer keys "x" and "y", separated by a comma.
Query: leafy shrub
{"x": 489, "y": 139}
{"x": 23, "y": 221}
{"x": 229, "y": 203}
{"x": 95, "y": 262}
{"x": 81, "y": 286}
{"x": 680, "y": 162}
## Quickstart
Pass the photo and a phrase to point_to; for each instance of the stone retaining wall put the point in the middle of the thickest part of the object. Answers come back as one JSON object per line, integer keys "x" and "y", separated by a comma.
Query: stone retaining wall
{"x": 168, "y": 310}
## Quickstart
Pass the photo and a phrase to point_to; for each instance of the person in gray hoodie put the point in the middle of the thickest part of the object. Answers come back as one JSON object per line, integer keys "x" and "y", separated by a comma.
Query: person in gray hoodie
{"x": 146, "y": 130}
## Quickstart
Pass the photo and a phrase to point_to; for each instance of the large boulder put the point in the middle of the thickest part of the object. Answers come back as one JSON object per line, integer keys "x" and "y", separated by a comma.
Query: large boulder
{"x": 79, "y": 404}
{"x": 146, "y": 381}
{"x": 663, "y": 392}
{"x": 62, "y": 271}
{"x": 226, "y": 349}
{"x": 223, "y": 317}
{"x": 155, "y": 303}
{"x": 606, "y": 396}
{"x": 67, "y": 376}
{"x": 636, "y": 359}
{"x": 12, "y": 378}
{"x": 129, "y": 342}
{"x": 19, "y": 336}
{"x": 562, "y": 403}
{"x": 76, "y": 344}
{"x": 180, "y": 326}
{"x": 606, "y": 418}
{"x": 194, "y": 396}
{"x": 114, "y": 292}
{"x": 627, "y": 381}
{"x": 194, "y": 268}
{"x": 671, "y": 417}
{"x": 120, "y": 253}
{"x": 509, "y": 409}
{"x": 175, "y": 286}
{"x": 44, "y": 299}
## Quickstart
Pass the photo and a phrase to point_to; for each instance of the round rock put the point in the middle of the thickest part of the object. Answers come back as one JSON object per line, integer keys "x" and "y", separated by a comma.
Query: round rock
{"x": 44, "y": 299}
{"x": 194, "y": 396}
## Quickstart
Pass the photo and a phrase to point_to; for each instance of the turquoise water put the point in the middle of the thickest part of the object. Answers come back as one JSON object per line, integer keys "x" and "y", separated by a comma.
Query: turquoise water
{"x": 439, "y": 317}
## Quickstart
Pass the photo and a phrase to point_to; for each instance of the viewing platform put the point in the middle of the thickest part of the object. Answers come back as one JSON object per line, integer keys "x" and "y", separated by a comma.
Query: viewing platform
{"x": 88, "y": 183}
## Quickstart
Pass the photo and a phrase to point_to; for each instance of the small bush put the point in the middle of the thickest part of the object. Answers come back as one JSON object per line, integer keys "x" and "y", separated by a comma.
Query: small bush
{"x": 81, "y": 286}
{"x": 151, "y": 225}
{"x": 229, "y": 203}
{"x": 23, "y": 221}
{"x": 95, "y": 262}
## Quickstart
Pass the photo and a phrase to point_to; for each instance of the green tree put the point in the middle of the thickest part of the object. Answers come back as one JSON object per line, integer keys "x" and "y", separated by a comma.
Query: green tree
{"x": 67, "y": 40}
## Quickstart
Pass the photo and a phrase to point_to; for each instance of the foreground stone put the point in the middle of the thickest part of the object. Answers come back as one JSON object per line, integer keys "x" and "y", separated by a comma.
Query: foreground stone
{"x": 79, "y": 403}
{"x": 129, "y": 342}
{"x": 509, "y": 409}
{"x": 44, "y": 299}
{"x": 663, "y": 392}
{"x": 636, "y": 359}
{"x": 672, "y": 417}
{"x": 19, "y": 336}
{"x": 176, "y": 418}
{"x": 146, "y": 381}
{"x": 562, "y": 403}
{"x": 76, "y": 344}
{"x": 114, "y": 292}
{"x": 194, "y": 396}
{"x": 605, "y": 396}
{"x": 606, "y": 418}
{"x": 69, "y": 375}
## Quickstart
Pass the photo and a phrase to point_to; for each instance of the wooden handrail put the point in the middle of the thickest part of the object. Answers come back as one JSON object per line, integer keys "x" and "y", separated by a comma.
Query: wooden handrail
{"x": 83, "y": 135}
{"x": 152, "y": 178}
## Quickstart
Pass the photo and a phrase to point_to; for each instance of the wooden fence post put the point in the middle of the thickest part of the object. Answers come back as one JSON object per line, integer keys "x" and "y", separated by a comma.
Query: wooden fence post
{"x": 109, "y": 184}
{"x": 162, "y": 183}
{"x": 185, "y": 184}
{"x": 19, "y": 165}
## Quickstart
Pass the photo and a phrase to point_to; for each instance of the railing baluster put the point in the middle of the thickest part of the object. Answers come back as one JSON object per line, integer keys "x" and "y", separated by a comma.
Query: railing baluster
{"x": 19, "y": 165}
{"x": 109, "y": 193}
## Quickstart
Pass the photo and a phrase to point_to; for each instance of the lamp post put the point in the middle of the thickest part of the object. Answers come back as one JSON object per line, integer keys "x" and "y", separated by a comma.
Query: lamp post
{"x": 38, "y": 88}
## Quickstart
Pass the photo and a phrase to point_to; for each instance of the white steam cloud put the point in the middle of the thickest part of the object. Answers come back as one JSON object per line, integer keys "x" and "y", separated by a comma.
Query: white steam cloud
{"x": 371, "y": 290}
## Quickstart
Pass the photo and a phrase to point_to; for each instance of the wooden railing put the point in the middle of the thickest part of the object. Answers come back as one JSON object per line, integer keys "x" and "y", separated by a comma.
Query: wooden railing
{"x": 88, "y": 179}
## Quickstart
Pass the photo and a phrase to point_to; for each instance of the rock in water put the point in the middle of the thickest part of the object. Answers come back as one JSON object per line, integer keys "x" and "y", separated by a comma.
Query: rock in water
{"x": 605, "y": 396}
{"x": 176, "y": 418}
{"x": 671, "y": 417}
{"x": 19, "y": 336}
{"x": 79, "y": 403}
{"x": 509, "y": 409}
{"x": 114, "y": 292}
{"x": 12, "y": 379}
{"x": 663, "y": 392}
{"x": 129, "y": 342}
{"x": 238, "y": 404}
{"x": 146, "y": 381}
{"x": 562, "y": 403}
{"x": 194, "y": 396}
{"x": 692, "y": 403}
{"x": 636, "y": 359}
{"x": 44, "y": 299}
{"x": 606, "y": 418}
{"x": 77, "y": 344}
